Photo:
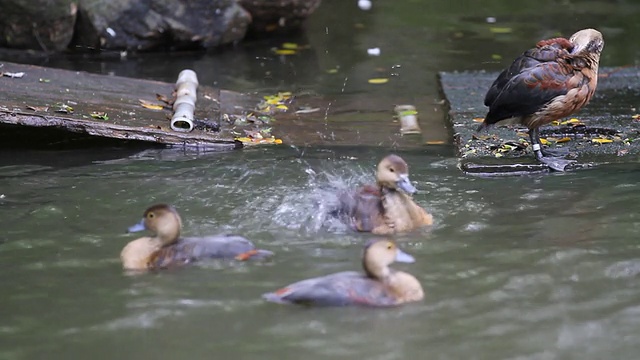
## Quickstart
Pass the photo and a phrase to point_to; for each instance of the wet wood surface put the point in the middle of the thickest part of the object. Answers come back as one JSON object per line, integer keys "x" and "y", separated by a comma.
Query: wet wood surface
{"x": 39, "y": 99}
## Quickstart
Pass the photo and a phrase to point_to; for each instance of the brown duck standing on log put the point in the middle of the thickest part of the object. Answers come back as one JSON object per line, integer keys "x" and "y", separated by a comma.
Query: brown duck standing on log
{"x": 546, "y": 83}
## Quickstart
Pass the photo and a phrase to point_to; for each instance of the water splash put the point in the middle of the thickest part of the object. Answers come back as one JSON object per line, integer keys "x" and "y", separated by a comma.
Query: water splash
{"x": 309, "y": 209}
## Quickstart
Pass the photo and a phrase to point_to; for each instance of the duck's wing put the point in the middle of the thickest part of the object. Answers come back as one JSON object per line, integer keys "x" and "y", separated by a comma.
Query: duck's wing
{"x": 361, "y": 209}
{"x": 340, "y": 289}
{"x": 543, "y": 56}
{"x": 368, "y": 211}
{"x": 223, "y": 246}
{"x": 530, "y": 91}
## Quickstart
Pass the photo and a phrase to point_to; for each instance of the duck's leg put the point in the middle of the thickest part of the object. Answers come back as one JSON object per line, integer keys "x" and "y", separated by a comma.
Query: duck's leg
{"x": 554, "y": 162}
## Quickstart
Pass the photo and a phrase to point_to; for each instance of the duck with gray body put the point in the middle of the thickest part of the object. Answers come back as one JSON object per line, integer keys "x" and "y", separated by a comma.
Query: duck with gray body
{"x": 378, "y": 286}
{"x": 165, "y": 248}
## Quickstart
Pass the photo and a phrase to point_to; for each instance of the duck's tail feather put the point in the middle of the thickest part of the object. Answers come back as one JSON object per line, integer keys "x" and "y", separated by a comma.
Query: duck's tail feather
{"x": 274, "y": 298}
{"x": 255, "y": 254}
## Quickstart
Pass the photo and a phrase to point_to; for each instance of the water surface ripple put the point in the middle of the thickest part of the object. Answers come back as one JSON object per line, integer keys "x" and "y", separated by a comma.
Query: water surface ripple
{"x": 538, "y": 267}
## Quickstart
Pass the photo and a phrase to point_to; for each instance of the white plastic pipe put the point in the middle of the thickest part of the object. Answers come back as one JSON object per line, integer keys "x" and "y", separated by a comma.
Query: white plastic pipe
{"x": 185, "y": 104}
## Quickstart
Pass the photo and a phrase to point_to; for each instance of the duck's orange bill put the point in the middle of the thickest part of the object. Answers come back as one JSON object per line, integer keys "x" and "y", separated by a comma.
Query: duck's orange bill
{"x": 246, "y": 255}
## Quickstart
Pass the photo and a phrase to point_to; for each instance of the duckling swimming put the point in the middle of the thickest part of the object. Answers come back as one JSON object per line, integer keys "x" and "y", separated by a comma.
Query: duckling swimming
{"x": 387, "y": 207}
{"x": 166, "y": 248}
{"x": 379, "y": 285}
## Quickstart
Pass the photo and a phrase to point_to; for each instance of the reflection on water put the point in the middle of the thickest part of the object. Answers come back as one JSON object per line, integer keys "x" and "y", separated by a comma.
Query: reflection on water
{"x": 539, "y": 267}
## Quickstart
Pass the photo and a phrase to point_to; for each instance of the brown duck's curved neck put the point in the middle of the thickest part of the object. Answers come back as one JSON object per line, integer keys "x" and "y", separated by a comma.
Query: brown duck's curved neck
{"x": 380, "y": 273}
{"x": 167, "y": 238}
{"x": 367, "y": 271}
{"x": 168, "y": 232}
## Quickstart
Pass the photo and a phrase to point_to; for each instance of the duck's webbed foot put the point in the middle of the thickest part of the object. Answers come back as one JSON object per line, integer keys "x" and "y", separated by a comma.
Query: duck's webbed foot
{"x": 555, "y": 163}
{"x": 550, "y": 157}
{"x": 555, "y": 152}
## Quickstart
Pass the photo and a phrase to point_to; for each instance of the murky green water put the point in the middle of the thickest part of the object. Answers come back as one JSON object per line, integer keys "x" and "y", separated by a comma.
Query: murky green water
{"x": 541, "y": 267}
{"x": 538, "y": 267}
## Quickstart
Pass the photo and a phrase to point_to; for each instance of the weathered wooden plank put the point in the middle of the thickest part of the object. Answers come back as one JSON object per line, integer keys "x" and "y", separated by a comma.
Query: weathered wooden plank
{"x": 36, "y": 98}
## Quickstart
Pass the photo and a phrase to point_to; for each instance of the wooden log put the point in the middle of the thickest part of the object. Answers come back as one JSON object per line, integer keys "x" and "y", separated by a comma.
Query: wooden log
{"x": 104, "y": 106}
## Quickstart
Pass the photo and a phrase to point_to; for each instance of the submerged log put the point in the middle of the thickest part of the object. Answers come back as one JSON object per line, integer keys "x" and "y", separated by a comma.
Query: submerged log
{"x": 106, "y": 107}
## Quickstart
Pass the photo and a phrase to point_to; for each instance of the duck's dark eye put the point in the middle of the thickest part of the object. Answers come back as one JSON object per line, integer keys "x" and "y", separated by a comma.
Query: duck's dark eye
{"x": 150, "y": 216}
{"x": 391, "y": 169}
{"x": 389, "y": 246}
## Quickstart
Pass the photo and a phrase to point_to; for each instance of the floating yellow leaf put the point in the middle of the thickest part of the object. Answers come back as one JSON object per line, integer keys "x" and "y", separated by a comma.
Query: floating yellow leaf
{"x": 282, "y": 107}
{"x": 250, "y": 140}
{"x": 332, "y": 71}
{"x": 284, "y": 52}
{"x": 544, "y": 141}
{"x": 290, "y": 46}
{"x": 496, "y": 56}
{"x": 601, "y": 140}
{"x": 478, "y": 119}
{"x": 636, "y": 117}
{"x": 500, "y": 30}
{"x": 436, "y": 142}
{"x": 378, "y": 81}
{"x": 564, "y": 139}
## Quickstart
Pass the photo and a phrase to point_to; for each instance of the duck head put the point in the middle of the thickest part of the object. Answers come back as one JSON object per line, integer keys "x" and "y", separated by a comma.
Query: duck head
{"x": 379, "y": 254}
{"x": 587, "y": 42}
{"x": 393, "y": 173}
{"x": 163, "y": 221}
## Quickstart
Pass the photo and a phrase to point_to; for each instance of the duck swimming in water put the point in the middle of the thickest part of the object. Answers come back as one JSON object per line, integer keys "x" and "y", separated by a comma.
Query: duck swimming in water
{"x": 387, "y": 207}
{"x": 167, "y": 249}
{"x": 378, "y": 286}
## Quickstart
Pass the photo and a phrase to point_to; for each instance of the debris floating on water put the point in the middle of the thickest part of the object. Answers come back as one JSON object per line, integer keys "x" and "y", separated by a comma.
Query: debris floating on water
{"x": 374, "y": 51}
{"x": 365, "y": 5}
{"x": 408, "y": 119}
